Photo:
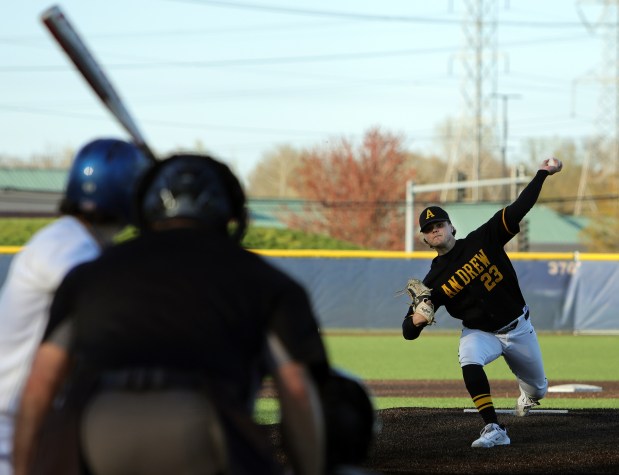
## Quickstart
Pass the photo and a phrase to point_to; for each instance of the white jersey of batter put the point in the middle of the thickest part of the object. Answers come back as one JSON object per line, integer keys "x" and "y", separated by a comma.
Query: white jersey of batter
{"x": 33, "y": 277}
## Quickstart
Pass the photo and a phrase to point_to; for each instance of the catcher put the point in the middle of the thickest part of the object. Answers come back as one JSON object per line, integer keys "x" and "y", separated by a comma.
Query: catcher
{"x": 475, "y": 281}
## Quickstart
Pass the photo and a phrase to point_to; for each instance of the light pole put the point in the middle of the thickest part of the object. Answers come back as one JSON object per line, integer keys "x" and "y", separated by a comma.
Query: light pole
{"x": 505, "y": 98}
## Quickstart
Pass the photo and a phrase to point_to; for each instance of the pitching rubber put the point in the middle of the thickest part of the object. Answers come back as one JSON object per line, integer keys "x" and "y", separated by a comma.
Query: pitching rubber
{"x": 531, "y": 412}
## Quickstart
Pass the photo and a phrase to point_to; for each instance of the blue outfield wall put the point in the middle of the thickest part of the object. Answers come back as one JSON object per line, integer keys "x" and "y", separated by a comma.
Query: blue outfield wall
{"x": 566, "y": 292}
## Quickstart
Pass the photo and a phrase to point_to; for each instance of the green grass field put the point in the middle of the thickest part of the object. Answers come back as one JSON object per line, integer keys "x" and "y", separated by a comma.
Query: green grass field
{"x": 435, "y": 356}
{"x": 592, "y": 358}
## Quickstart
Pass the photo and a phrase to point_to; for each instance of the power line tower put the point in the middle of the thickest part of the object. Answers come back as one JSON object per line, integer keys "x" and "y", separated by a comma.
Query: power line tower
{"x": 479, "y": 26}
{"x": 605, "y": 145}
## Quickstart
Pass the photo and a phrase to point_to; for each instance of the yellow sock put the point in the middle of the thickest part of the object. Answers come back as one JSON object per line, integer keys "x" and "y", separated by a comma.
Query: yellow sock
{"x": 483, "y": 401}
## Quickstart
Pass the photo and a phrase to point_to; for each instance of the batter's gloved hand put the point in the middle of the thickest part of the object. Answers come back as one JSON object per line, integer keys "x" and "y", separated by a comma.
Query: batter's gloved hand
{"x": 420, "y": 296}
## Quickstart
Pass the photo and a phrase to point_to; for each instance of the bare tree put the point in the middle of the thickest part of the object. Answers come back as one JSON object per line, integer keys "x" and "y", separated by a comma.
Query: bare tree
{"x": 601, "y": 234}
{"x": 272, "y": 177}
{"x": 587, "y": 187}
{"x": 455, "y": 145}
{"x": 578, "y": 180}
{"x": 45, "y": 160}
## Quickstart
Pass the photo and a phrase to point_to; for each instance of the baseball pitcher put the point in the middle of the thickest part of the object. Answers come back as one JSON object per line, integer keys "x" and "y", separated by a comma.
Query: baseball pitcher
{"x": 475, "y": 281}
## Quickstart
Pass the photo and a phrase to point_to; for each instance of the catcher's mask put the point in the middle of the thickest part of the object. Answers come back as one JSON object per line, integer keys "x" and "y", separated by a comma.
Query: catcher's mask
{"x": 432, "y": 214}
{"x": 195, "y": 187}
{"x": 349, "y": 419}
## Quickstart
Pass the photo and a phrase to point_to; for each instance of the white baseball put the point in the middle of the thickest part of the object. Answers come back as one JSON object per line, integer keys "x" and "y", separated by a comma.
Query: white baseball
{"x": 553, "y": 162}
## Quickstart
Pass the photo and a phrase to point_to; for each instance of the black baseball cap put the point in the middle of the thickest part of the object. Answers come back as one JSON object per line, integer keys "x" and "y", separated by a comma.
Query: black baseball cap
{"x": 432, "y": 214}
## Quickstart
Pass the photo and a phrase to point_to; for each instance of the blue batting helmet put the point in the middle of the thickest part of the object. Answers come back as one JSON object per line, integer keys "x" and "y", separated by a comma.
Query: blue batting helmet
{"x": 102, "y": 181}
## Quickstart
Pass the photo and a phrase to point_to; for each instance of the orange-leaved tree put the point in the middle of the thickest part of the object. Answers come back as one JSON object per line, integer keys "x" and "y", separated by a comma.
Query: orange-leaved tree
{"x": 355, "y": 193}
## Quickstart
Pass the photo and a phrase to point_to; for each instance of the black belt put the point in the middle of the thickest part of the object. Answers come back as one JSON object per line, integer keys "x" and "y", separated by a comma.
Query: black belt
{"x": 151, "y": 379}
{"x": 510, "y": 326}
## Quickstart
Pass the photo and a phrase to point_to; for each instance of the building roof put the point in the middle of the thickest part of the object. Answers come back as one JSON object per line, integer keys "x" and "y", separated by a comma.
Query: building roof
{"x": 36, "y": 192}
{"x": 548, "y": 230}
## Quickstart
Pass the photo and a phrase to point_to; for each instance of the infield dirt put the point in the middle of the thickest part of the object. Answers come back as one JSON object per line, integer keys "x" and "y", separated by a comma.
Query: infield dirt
{"x": 455, "y": 388}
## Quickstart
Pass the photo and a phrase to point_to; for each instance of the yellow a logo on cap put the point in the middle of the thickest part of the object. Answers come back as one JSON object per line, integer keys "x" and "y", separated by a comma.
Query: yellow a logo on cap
{"x": 429, "y": 214}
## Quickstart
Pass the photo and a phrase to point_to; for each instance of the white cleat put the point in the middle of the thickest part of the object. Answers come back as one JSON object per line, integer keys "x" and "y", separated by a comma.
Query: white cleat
{"x": 524, "y": 404}
{"x": 492, "y": 435}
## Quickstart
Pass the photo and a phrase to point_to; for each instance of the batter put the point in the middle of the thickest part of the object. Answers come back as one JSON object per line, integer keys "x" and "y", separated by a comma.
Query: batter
{"x": 94, "y": 208}
{"x": 476, "y": 282}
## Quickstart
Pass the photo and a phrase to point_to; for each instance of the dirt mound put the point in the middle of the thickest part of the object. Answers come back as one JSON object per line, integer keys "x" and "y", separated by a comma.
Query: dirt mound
{"x": 423, "y": 440}
{"x": 419, "y": 440}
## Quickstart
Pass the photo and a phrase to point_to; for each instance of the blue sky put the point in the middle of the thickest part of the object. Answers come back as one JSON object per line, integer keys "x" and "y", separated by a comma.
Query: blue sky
{"x": 242, "y": 77}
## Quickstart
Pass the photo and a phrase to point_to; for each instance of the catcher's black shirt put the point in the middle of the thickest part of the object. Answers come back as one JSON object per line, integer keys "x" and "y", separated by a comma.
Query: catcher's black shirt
{"x": 188, "y": 299}
{"x": 475, "y": 280}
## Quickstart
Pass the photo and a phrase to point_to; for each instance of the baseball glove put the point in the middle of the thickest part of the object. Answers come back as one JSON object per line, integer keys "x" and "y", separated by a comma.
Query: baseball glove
{"x": 420, "y": 296}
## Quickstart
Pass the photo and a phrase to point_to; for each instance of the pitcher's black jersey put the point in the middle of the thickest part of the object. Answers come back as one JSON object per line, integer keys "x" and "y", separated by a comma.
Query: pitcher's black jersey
{"x": 475, "y": 281}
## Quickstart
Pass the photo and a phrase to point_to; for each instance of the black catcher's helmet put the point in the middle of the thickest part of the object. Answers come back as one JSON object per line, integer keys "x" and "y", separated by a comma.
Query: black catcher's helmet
{"x": 196, "y": 187}
{"x": 349, "y": 419}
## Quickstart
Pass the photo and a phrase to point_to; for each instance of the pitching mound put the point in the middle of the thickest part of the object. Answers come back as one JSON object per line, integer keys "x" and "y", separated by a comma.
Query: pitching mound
{"x": 422, "y": 440}
{"x": 419, "y": 440}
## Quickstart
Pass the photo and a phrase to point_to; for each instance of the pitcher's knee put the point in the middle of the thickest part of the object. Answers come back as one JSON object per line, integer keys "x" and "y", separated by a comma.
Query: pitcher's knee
{"x": 541, "y": 391}
{"x": 535, "y": 390}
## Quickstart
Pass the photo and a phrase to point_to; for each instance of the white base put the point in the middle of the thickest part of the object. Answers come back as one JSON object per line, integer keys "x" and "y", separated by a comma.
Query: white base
{"x": 531, "y": 412}
{"x": 574, "y": 388}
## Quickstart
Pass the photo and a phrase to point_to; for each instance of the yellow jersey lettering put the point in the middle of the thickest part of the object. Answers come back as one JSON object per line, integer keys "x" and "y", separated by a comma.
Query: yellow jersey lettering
{"x": 450, "y": 293}
{"x": 479, "y": 268}
{"x": 463, "y": 276}
{"x": 481, "y": 255}
{"x": 468, "y": 268}
{"x": 473, "y": 269}
{"x": 454, "y": 284}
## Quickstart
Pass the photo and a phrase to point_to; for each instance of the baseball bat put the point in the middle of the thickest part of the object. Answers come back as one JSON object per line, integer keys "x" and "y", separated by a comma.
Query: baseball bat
{"x": 75, "y": 48}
